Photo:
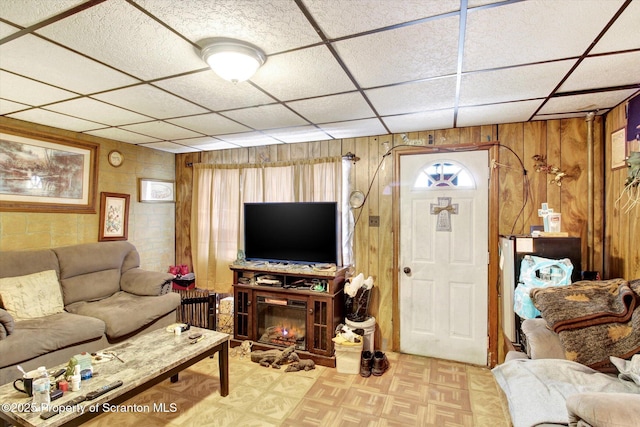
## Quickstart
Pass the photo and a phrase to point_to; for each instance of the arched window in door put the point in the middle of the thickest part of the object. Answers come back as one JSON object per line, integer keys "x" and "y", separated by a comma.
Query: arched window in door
{"x": 446, "y": 174}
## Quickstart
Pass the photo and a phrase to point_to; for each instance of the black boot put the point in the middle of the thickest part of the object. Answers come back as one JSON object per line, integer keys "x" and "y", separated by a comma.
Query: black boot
{"x": 365, "y": 364}
{"x": 380, "y": 363}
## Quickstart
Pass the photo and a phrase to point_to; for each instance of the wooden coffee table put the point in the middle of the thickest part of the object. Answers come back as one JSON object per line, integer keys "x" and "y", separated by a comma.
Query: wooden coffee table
{"x": 146, "y": 360}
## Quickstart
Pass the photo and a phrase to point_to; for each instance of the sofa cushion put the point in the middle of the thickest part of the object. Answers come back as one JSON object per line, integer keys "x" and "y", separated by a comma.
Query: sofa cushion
{"x": 90, "y": 287}
{"x": 124, "y": 313}
{"x": 62, "y": 330}
{"x": 604, "y": 409}
{"x": 91, "y": 271}
{"x": 31, "y": 296}
{"x": 7, "y": 324}
{"x": 145, "y": 283}
{"x": 20, "y": 263}
{"x": 542, "y": 343}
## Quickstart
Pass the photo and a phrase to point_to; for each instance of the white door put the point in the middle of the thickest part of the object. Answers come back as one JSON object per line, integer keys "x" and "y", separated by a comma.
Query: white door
{"x": 443, "y": 286}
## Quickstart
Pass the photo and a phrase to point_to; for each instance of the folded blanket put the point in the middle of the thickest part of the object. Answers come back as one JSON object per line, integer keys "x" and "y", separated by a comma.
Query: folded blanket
{"x": 593, "y": 345}
{"x": 537, "y": 389}
{"x": 586, "y": 303}
{"x": 629, "y": 369}
{"x": 6, "y": 323}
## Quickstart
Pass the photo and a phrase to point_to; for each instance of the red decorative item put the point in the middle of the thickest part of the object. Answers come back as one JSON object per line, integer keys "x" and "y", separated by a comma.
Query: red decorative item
{"x": 184, "y": 269}
{"x": 174, "y": 269}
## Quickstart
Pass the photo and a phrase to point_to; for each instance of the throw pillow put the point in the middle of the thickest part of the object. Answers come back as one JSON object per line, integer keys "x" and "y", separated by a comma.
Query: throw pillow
{"x": 31, "y": 296}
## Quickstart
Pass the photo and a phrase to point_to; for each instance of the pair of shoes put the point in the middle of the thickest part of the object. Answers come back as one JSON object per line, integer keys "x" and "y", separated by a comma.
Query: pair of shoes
{"x": 380, "y": 363}
{"x": 366, "y": 362}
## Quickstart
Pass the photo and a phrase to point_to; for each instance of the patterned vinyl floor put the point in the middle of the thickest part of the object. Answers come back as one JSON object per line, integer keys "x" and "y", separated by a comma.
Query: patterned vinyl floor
{"x": 415, "y": 391}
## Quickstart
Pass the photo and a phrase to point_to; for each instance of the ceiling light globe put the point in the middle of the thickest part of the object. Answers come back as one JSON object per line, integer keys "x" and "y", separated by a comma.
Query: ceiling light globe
{"x": 233, "y": 66}
{"x": 233, "y": 60}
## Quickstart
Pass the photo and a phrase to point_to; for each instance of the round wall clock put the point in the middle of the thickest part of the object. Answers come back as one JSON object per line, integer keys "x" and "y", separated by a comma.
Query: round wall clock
{"x": 115, "y": 158}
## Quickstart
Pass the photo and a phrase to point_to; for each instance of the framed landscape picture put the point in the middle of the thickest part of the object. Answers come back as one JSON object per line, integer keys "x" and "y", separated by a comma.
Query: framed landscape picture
{"x": 114, "y": 217}
{"x": 45, "y": 173}
{"x": 157, "y": 191}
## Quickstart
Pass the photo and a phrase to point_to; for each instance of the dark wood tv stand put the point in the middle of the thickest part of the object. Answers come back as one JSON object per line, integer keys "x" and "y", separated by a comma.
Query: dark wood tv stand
{"x": 324, "y": 310}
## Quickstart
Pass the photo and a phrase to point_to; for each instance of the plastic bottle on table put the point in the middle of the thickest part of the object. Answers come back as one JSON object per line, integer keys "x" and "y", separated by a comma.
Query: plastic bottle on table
{"x": 41, "y": 389}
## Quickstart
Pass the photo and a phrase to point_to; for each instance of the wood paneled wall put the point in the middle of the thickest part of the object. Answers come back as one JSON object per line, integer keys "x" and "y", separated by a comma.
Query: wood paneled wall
{"x": 562, "y": 142}
{"x": 622, "y": 231}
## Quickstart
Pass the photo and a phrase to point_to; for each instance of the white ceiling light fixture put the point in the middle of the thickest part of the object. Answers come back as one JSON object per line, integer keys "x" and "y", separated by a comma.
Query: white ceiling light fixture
{"x": 233, "y": 60}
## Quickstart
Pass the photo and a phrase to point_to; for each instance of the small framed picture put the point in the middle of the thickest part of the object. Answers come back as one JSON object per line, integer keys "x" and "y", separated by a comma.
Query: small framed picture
{"x": 618, "y": 149}
{"x": 114, "y": 217}
{"x": 157, "y": 191}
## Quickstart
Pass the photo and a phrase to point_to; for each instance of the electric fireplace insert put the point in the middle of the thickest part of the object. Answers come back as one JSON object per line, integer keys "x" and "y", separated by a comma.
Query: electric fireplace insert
{"x": 282, "y": 321}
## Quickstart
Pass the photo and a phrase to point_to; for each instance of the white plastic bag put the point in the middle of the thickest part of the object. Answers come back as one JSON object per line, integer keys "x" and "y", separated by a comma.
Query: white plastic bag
{"x": 538, "y": 272}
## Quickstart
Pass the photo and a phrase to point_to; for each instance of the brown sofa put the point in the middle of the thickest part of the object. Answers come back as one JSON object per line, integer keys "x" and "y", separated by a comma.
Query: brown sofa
{"x": 107, "y": 298}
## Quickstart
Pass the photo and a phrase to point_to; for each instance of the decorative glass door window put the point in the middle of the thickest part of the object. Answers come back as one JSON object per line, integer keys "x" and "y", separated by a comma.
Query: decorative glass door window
{"x": 444, "y": 174}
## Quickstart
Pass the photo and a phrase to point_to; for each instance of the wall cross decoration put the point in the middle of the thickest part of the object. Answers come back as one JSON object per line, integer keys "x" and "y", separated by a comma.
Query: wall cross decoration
{"x": 444, "y": 209}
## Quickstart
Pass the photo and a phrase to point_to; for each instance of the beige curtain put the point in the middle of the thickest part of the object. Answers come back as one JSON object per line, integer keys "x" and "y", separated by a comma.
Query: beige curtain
{"x": 219, "y": 192}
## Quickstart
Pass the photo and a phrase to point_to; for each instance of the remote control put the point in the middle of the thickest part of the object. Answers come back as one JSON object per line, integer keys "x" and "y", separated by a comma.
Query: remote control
{"x": 57, "y": 373}
{"x": 104, "y": 389}
{"x": 54, "y": 411}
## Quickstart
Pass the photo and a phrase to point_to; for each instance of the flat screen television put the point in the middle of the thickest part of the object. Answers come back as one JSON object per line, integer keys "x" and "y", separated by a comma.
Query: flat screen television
{"x": 302, "y": 233}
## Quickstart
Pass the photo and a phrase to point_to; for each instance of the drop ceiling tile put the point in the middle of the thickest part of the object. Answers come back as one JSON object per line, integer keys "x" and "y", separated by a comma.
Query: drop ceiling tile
{"x": 209, "y": 124}
{"x": 404, "y": 54}
{"x": 249, "y": 139}
{"x": 149, "y": 100}
{"x": 266, "y": 117}
{"x": 49, "y": 118}
{"x": 532, "y": 31}
{"x": 339, "y": 18}
{"x": 122, "y": 135}
{"x": 41, "y": 60}
{"x": 118, "y": 34}
{"x": 206, "y": 88}
{"x": 30, "y": 12}
{"x": 512, "y": 84}
{"x": 97, "y": 111}
{"x": 346, "y": 106}
{"x": 624, "y": 33}
{"x": 206, "y": 143}
{"x": 413, "y": 97}
{"x": 298, "y": 134}
{"x": 7, "y": 106}
{"x": 605, "y": 71}
{"x": 27, "y": 91}
{"x": 161, "y": 130}
{"x": 511, "y": 112}
{"x": 286, "y": 76}
{"x": 272, "y": 25}
{"x": 354, "y": 128}
{"x": 586, "y": 102}
{"x": 170, "y": 147}
{"x": 428, "y": 120}
{"x": 6, "y": 29}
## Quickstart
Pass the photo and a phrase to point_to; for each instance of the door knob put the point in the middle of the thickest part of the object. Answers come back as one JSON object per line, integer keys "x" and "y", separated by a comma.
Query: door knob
{"x": 406, "y": 270}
